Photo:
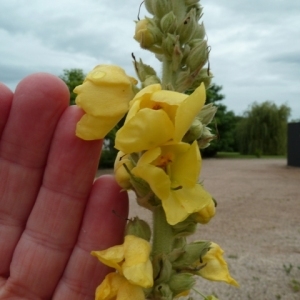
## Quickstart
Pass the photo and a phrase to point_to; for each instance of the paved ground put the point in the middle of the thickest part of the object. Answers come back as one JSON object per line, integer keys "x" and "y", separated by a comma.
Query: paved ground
{"x": 257, "y": 224}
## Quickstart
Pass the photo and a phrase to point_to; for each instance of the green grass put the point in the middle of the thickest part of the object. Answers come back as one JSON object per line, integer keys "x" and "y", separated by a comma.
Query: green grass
{"x": 238, "y": 155}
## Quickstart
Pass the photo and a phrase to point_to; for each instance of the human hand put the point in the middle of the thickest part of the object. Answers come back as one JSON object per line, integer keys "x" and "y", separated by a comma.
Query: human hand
{"x": 52, "y": 213}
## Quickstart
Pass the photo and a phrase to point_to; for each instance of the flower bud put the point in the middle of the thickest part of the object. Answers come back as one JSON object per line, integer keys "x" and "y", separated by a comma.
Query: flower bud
{"x": 188, "y": 26}
{"x": 146, "y": 73}
{"x": 184, "y": 81}
{"x": 149, "y": 6}
{"x": 121, "y": 172}
{"x": 198, "y": 55}
{"x": 168, "y": 45}
{"x": 139, "y": 228}
{"x": 194, "y": 132}
{"x": 181, "y": 283}
{"x": 152, "y": 79}
{"x": 161, "y": 7}
{"x": 204, "y": 215}
{"x": 163, "y": 291}
{"x": 168, "y": 23}
{"x": 199, "y": 32}
{"x": 206, "y": 137}
{"x": 204, "y": 76}
{"x": 192, "y": 253}
{"x": 207, "y": 113}
{"x": 191, "y": 2}
{"x": 184, "y": 228}
{"x": 147, "y": 33}
{"x": 162, "y": 268}
{"x": 211, "y": 297}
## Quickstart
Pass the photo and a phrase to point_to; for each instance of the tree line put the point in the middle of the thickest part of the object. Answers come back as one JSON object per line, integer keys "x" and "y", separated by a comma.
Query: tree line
{"x": 261, "y": 130}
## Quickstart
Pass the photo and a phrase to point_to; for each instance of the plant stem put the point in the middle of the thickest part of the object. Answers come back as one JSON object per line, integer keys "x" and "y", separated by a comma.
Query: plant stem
{"x": 167, "y": 74}
{"x": 162, "y": 233}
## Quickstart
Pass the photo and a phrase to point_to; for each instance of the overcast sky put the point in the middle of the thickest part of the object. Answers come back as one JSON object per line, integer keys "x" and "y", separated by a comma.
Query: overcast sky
{"x": 255, "y": 44}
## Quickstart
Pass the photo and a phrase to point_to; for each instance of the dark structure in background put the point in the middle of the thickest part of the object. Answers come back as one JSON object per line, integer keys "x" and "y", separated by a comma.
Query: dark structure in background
{"x": 293, "y": 147}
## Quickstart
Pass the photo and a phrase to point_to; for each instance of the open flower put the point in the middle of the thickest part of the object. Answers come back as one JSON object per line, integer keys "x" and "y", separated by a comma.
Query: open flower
{"x": 134, "y": 267}
{"x": 117, "y": 287}
{"x": 156, "y": 117}
{"x": 104, "y": 96}
{"x": 215, "y": 267}
{"x": 172, "y": 173}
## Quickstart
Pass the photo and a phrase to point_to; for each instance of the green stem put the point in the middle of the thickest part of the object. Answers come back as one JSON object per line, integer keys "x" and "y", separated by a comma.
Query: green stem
{"x": 167, "y": 78}
{"x": 162, "y": 233}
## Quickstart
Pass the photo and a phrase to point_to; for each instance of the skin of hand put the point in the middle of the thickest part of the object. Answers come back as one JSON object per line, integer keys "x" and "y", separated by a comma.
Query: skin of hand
{"x": 52, "y": 211}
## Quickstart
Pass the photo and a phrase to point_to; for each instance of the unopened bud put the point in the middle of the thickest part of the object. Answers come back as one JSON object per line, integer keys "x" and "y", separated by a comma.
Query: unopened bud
{"x": 199, "y": 32}
{"x": 204, "y": 76}
{"x": 198, "y": 55}
{"x": 150, "y": 80}
{"x": 194, "y": 132}
{"x": 144, "y": 72}
{"x": 193, "y": 253}
{"x": 121, "y": 173}
{"x": 181, "y": 283}
{"x": 204, "y": 215}
{"x": 139, "y": 228}
{"x": 163, "y": 291}
{"x": 161, "y": 7}
{"x": 147, "y": 33}
{"x": 188, "y": 26}
{"x": 149, "y": 6}
{"x": 211, "y": 297}
{"x": 168, "y": 23}
{"x": 207, "y": 113}
{"x": 168, "y": 45}
{"x": 205, "y": 138}
{"x": 162, "y": 268}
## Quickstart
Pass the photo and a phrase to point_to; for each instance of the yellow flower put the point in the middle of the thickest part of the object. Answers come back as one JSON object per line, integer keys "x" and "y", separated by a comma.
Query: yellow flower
{"x": 104, "y": 96}
{"x": 156, "y": 117}
{"x": 172, "y": 172}
{"x": 143, "y": 35}
{"x": 116, "y": 287}
{"x": 121, "y": 175}
{"x": 131, "y": 260}
{"x": 204, "y": 215}
{"x": 215, "y": 267}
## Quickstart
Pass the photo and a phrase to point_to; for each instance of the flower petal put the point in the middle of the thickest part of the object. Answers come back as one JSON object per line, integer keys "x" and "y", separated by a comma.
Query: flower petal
{"x": 158, "y": 180}
{"x": 185, "y": 169}
{"x": 215, "y": 266}
{"x": 146, "y": 130}
{"x": 112, "y": 257}
{"x": 130, "y": 291}
{"x": 149, "y": 156}
{"x": 94, "y": 128}
{"x": 137, "y": 267}
{"x": 109, "y": 287}
{"x": 106, "y": 91}
{"x": 187, "y": 112}
{"x": 183, "y": 202}
{"x": 174, "y": 210}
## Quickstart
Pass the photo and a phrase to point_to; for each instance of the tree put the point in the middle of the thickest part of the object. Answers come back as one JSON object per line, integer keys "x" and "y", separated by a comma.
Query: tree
{"x": 263, "y": 130}
{"x": 72, "y": 78}
{"x": 223, "y": 125}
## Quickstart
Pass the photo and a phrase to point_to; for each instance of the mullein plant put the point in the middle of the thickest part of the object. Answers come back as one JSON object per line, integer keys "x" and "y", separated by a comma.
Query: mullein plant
{"x": 159, "y": 157}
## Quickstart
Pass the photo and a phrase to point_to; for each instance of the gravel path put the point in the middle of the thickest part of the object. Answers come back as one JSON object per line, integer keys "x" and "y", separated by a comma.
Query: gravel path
{"x": 257, "y": 224}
